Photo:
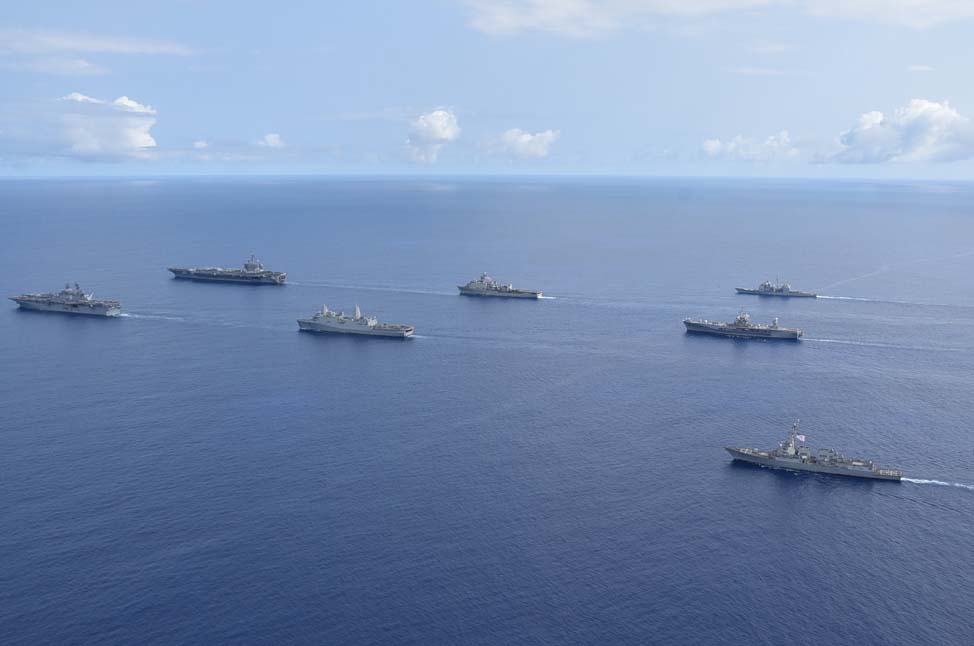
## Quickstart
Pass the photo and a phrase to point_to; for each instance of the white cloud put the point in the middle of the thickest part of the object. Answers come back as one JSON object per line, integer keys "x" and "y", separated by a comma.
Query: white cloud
{"x": 92, "y": 128}
{"x": 592, "y": 18}
{"x": 27, "y": 41}
{"x": 918, "y": 14}
{"x": 774, "y": 148}
{"x": 55, "y": 65}
{"x": 919, "y": 131}
{"x": 429, "y": 132}
{"x": 919, "y": 68}
{"x": 523, "y": 144}
{"x": 201, "y": 144}
{"x": 271, "y": 140}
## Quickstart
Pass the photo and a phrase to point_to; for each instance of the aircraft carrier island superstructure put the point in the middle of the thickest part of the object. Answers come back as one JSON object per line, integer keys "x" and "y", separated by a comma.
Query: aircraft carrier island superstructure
{"x": 487, "y": 286}
{"x": 793, "y": 455}
{"x": 743, "y": 328}
{"x": 325, "y": 320}
{"x": 252, "y": 273}
{"x": 784, "y": 290}
{"x": 70, "y": 300}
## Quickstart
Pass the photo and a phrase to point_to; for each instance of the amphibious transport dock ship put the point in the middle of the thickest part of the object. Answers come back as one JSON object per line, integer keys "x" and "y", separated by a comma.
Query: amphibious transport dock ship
{"x": 253, "y": 273}
{"x": 70, "y": 300}
{"x": 325, "y": 320}
{"x": 487, "y": 286}
{"x": 767, "y": 288}
{"x": 742, "y": 327}
{"x": 793, "y": 455}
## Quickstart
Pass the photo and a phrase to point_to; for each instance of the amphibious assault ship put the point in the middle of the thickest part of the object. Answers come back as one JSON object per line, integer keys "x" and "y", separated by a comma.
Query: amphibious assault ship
{"x": 70, "y": 300}
{"x": 793, "y": 455}
{"x": 487, "y": 286}
{"x": 325, "y": 320}
{"x": 253, "y": 272}
{"x": 742, "y": 327}
{"x": 767, "y": 288}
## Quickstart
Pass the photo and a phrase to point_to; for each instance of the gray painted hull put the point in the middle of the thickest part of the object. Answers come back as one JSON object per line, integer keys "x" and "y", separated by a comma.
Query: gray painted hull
{"x": 307, "y": 325}
{"x": 782, "y": 334}
{"x": 185, "y": 274}
{"x": 80, "y": 310}
{"x": 757, "y": 292}
{"x": 518, "y": 294}
{"x": 804, "y": 467}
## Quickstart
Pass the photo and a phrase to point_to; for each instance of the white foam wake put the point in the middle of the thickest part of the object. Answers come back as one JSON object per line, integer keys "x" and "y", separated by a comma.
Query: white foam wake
{"x": 151, "y": 317}
{"x": 940, "y": 483}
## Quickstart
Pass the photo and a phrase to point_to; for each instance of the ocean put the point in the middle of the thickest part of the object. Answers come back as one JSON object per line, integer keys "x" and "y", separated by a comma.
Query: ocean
{"x": 521, "y": 472}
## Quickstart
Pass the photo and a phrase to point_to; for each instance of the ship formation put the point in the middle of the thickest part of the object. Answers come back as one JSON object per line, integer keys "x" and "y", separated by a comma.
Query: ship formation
{"x": 253, "y": 273}
{"x": 792, "y": 454}
{"x": 324, "y": 320}
{"x": 784, "y": 290}
{"x": 70, "y": 300}
{"x": 743, "y": 328}
{"x": 487, "y": 286}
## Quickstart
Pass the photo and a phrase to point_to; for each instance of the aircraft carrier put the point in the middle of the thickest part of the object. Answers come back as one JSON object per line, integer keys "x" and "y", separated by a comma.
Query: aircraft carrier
{"x": 253, "y": 273}
{"x": 70, "y": 300}
{"x": 487, "y": 286}
{"x": 792, "y": 454}
{"x": 743, "y": 328}
{"x": 325, "y": 320}
{"x": 784, "y": 290}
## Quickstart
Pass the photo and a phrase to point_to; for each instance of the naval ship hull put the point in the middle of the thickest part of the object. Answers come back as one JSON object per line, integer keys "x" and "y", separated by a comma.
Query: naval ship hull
{"x": 758, "y": 292}
{"x": 275, "y": 278}
{"x": 78, "y": 309}
{"x": 783, "y": 334}
{"x": 773, "y": 463}
{"x": 520, "y": 293}
{"x": 307, "y": 325}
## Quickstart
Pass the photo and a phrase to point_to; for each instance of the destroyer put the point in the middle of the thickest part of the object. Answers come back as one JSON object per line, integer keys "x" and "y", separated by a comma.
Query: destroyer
{"x": 327, "y": 321}
{"x": 793, "y": 455}
{"x": 487, "y": 286}
{"x": 767, "y": 288}
{"x": 253, "y": 272}
{"x": 70, "y": 300}
{"x": 742, "y": 327}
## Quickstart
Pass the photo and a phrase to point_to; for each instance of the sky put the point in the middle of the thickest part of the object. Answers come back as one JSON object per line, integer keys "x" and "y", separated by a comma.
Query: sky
{"x": 789, "y": 88}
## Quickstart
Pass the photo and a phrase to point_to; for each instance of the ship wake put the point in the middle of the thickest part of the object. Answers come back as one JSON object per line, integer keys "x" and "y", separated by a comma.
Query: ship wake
{"x": 940, "y": 483}
{"x": 151, "y": 317}
{"x": 374, "y": 288}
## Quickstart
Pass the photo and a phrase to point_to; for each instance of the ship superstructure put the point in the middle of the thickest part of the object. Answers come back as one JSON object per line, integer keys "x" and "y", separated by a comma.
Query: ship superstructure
{"x": 767, "y": 288}
{"x": 487, "y": 286}
{"x": 793, "y": 455}
{"x": 253, "y": 272}
{"x": 742, "y": 327}
{"x": 325, "y": 320}
{"x": 70, "y": 300}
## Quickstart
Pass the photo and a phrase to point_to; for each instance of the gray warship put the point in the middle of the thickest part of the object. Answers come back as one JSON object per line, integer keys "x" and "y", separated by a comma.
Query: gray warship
{"x": 743, "y": 328}
{"x": 784, "y": 290}
{"x": 487, "y": 286}
{"x": 793, "y": 455}
{"x": 324, "y": 320}
{"x": 70, "y": 300}
{"x": 253, "y": 273}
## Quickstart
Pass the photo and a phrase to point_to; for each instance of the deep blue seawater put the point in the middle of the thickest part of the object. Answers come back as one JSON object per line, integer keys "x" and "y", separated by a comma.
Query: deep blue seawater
{"x": 199, "y": 472}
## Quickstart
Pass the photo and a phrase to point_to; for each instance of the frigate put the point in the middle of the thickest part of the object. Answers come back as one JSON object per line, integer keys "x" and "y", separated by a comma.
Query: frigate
{"x": 253, "y": 273}
{"x": 767, "y": 288}
{"x": 793, "y": 455}
{"x": 324, "y": 320}
{"x": 742, "y": 327}
{"x": 487, "y": 286}
{"x": 70, "y": 300}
